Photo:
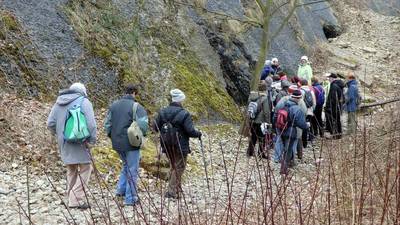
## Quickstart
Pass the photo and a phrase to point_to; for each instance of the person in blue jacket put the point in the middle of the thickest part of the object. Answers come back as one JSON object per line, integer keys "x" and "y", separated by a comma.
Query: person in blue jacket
{"x": 296, "y": 118}
{"x": 352, "y": 100}
{"x": 266, "y": 70}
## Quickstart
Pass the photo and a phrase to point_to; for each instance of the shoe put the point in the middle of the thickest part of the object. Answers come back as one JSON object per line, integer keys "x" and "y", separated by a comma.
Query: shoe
{"x": 169, "y": 195}
{"x": 132, "y": 204}
{"x": 83, "y": 206}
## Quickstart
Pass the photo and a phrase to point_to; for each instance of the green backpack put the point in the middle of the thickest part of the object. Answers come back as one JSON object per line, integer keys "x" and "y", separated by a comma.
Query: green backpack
{"x": 76, "y": 129}
{"x": 135, "y": 134}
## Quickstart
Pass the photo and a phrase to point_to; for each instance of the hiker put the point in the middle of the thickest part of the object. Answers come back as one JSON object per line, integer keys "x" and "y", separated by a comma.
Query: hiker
{"x": 282, "y": 75}
{"x": 120, "y": 116}
{"x": 295, "y": 119}
{"x": 317, "y": 126}
{"x": 176, "y": 127}
{"x": 266, "y": 70}
{"x": 352, "y": 100}
{"x": 283, "y": 92}
{"x": 74, "y": 152}
{"x": 305, "y": 71}
{"x": 310, "y": 101}
{"x": 333, "y": 106}
{"x": 278, "y": 142}
{"x": 276, "y": 68}
{"x": 260, "y": 113}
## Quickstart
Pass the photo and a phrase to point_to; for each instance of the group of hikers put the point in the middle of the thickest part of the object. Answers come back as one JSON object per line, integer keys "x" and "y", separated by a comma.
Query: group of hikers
{"x": 72, "y": 120}
{"x": 285, "y": 114}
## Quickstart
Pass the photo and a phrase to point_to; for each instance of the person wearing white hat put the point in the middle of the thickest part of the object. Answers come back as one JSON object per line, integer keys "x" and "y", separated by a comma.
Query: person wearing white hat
{"x": 305, "y": 71}
{"x": 276, "y": 68}
{"x": 176, "y": 127}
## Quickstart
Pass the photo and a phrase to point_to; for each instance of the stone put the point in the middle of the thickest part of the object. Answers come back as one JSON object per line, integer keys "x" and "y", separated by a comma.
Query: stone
{"x": 4, "y": 191}
{"x": 369, "y": 50}
{"x": 14, "y": 165}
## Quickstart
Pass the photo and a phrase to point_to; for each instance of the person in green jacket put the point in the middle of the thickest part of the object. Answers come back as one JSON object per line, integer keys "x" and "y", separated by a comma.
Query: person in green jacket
{"x": 305, "y": 70}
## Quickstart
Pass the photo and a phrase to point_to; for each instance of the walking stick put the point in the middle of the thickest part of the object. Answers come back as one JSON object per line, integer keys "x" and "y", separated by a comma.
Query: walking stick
{"x": 205, "y": 166}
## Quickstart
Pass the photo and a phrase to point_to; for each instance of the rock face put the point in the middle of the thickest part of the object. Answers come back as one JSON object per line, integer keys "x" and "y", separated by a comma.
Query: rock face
{"x": 385, "y": 7}
{"x": 158, "y": 44}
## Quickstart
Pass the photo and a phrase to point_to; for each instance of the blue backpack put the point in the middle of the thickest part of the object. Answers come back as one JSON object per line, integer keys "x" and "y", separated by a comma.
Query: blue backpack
{"x": 319, "y": 94}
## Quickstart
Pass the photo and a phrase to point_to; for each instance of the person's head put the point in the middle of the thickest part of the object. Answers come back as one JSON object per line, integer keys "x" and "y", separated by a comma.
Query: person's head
{"x": 275, "y": 61}
{"x": 131, "y": 89}
{"x": 262, "y": 87}
{"x": 79, "y": 88}
{"x": 292, "y": 88}
{"x": 177, "y": 95}
{"x": 303, "y": 60}
{"x": 285, "y": 84}
{"x": 276, "y": 78}
{"x": 268, "y": 82}
{"x": 314, "y": 80}
{"x": 281, "y": 73}
{"x": 331, "y": 77}
{"x": 304, "y": 82}
{"x": 267, "y": 63}
{"x": 351, "y": 76}
{"x": 296, "y": 95}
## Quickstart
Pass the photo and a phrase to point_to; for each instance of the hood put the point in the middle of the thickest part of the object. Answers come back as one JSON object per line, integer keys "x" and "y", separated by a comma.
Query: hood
{"x": 339, "y": 83}
{"x": 254, "y": 95}
{"x": 351, "y": 82}
{"x": 67, "y": 96}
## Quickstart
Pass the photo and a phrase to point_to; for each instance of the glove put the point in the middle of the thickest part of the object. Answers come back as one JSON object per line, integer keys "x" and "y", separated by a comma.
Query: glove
{"x": 308, "y": 124}
{"x": 200, "y": 134}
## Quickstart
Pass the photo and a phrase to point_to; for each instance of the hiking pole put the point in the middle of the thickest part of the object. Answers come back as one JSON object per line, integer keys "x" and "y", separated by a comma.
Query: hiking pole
{"x": 205, "y": 166}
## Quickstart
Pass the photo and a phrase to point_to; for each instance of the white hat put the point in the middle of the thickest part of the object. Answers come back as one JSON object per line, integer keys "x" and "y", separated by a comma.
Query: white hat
{"x": 177, "y": 95}
{"x": 304, "y": 58}
{"x": 273, "y": 60}
{"x": 78, "y": 87}
{"x": 267, "y": 62}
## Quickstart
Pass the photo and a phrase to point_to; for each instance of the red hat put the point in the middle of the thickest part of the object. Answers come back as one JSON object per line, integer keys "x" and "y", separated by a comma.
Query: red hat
{"x": 292, "y": 88}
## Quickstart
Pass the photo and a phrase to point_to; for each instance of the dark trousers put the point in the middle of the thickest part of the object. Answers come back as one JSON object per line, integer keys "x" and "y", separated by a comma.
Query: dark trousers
{"x": 256, "y": 136}
{"x": 287, "y": 154}
{"x": 333, "y": 123}
{"x": 177, "y": 162}
{"x": 317, "y": 126}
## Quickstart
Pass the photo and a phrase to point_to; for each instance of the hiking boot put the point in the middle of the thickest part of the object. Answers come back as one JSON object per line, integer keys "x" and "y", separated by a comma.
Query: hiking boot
{"x": 132, "y": 204}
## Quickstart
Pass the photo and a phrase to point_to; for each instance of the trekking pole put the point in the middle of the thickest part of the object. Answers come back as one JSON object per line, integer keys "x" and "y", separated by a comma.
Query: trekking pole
{"x": 205, "y": 166}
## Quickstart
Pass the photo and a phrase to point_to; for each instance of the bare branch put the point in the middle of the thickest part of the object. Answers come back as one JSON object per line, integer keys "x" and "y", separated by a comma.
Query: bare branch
{"x": 285, "y": 21}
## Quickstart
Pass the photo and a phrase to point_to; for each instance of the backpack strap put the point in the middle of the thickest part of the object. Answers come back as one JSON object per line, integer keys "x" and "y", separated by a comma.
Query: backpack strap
{"x": 134, "y": 110}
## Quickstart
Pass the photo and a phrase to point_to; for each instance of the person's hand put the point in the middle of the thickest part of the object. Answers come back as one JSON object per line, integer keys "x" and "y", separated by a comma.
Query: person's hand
{"x": 308, "y": 124}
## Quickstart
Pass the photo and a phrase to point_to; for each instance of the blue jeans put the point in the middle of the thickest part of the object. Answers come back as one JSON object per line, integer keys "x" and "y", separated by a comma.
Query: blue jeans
{"x": 127, "y": 182}
{"x": 279, "y": 147}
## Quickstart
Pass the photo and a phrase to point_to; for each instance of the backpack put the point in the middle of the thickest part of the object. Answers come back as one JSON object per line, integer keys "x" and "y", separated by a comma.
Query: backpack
{"x": 308, "y": 99}
{"x": 135, "y": 134}
{"x": 76, "y": 129}
{"x": 282, "y": 118}
{"x": 253, "y": 108}
{"x": 319, "y": 95}
{"x": 169, "y": 134}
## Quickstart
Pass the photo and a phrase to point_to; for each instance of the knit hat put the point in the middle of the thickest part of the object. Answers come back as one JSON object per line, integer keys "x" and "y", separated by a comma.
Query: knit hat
{"x": 268, "y": 81}
{"x": 177, "y": 95}
{"x": 78, "y": 87}
{"x": 274, "y": 60}
{"x": 292, "y": 88}
{"x": 304, "y": 58}
{"x": 267, "y": 63}
{"x": 296, "y": 94}
{"x": 331, "y": 75}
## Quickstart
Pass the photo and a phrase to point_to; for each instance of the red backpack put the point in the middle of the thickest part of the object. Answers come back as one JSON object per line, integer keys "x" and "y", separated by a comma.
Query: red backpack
{"x": 282, "y": 118}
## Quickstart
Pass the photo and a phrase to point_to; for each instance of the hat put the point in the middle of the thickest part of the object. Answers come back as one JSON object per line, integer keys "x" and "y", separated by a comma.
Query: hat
{"x": 268, "y": 81}
{"x": 285, "y": 83}
{"x": 292, "y": 88}
{"x": 296, "y": 94}
{"x": 304, "y": 58}
{"x": 274, "y": 60}
{"x": 267, "y": 62}
{"x": 177, "y": 95}
{"x": 78, "y": 87}
{"x": 331, "y": 75}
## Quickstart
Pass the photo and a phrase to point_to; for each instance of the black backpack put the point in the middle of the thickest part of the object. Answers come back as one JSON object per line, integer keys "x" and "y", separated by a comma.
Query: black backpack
{"x": 169, "y": 133}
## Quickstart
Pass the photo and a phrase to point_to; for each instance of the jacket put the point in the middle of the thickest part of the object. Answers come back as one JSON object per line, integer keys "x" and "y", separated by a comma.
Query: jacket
{"x": 183, "y": 122}
{"x": 296, "y": 119}
{"x": 310, "y": 111}
{"x": 305, "y": 72}
{"x": 71, "y": 153}
{"x": 335, "y": 99}
{"x": 275, "y": 69}
{"x": 352, "y": 96}
{"x": 119, "y": 118}
{"x": 264, "y": 116}
{"x": 265, "y": 72}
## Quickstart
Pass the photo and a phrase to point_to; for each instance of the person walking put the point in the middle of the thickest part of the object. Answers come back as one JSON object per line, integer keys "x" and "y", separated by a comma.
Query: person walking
{"x": 295, "y": 119}
{"x": 305, "y": 71}
{"x": 317, "y": 126}
{"x": 120, "y": 116}
{"x": 176, "y": 127}
{"x": 275, "y": 66}
{"x": 262, "y": 116}
{"x": 352, "y": 100}
{"x": 74, "y": 154}
{"x": 310, "y": 100}
{"x": 334, "y": 105}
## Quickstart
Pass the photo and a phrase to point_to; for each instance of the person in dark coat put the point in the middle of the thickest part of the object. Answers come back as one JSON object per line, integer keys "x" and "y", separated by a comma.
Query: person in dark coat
{"x": 181, "y": 119}
{"x": 266, "y": 70}
{"x": 334, "y": 105}
{"x": 119, "y": 118}
{"x": 317, "y": 126}
{"x": 275, "y": 66}
{"x": 352, "y": 102}
{"x": 296, "y": 119}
